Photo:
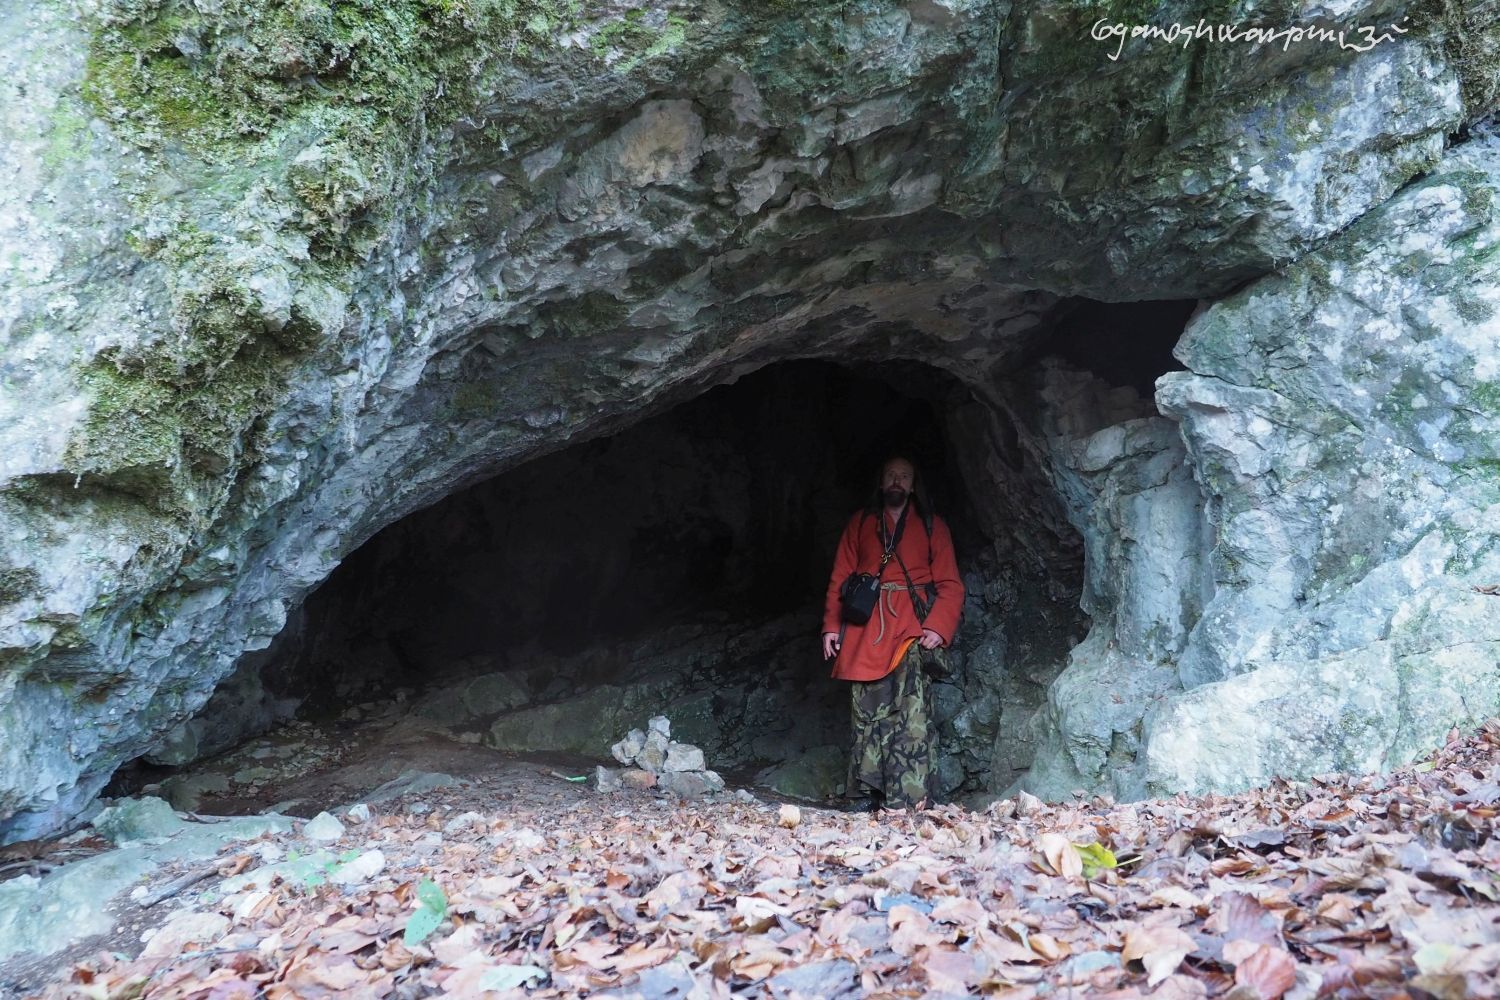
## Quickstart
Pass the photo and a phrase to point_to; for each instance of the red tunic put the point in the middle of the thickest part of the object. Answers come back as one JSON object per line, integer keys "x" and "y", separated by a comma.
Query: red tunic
{"x": 869, "y": 651}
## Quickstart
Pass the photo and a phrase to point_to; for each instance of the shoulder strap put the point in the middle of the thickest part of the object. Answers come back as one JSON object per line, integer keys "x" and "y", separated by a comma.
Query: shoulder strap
{"x": 927, "y": 516}
{"x": 911, "y": 591}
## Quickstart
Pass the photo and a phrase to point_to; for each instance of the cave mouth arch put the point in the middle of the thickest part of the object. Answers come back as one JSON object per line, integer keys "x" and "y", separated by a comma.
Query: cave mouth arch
{"x": 678, "y": 566}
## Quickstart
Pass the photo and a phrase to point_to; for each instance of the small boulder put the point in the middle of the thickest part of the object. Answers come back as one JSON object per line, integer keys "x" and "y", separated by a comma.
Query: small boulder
{"x": 130, "y": 820}
{"x": 629, "y": 748}
{"x": 463, "y": 822}
{"x": 323, "y": 826}
{"x": 653, "y": 756}
{"x": 639, "y": 780}
{"x": 524, "y": 839}
{"x": 606, "y": 779}
{"x": 361, "y": 869}
{"x": 683, "y": 757}
{"x": 660, "y": 724}
{"x": 690, "y": 784}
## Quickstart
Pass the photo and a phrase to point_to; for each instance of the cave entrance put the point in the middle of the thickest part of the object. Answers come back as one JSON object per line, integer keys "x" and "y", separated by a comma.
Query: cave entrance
{"x": 678, "y": 566}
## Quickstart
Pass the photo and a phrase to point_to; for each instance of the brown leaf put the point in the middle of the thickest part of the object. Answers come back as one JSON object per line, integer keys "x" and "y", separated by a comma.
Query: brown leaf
{"x": 1238, "y": 950}
{"x": 1179, "y": 988}
{"x": 236, "y": 865}
{"x": 321, "y": 976}
{"x": 1270, "y": 970}
{"x": 1237, "y": 917}
{"x": 678, "y": 891}
{"x": 641, "y": 958}
{"x": 949, "y": 970}
{"x": 233, "y": 989}
{"x": 594, "y": 953}
{"x": 1160, "y": 949}
{"x": 758, "y": 964}
{"x": 1001, "y": 949}
{"x": 1049, "y": 947}
{"x": 756, "y": 914}
{"x": 911, "y": 931}
{"x": 1173, "y": 895}
{"x": 1059, "y": 856}
{"x": 395, "y": 955}
{"x": 1232, "y": 866}
{"x": 458, "y": 946}
{"x": 960, "y": 911}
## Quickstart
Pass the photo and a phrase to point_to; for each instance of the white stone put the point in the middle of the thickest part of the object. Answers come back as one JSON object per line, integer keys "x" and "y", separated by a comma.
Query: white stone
{"x": 323, "y": 826}
{"x": 683, "y": 757}
{"x": 361, "y": 869}
{"x": 627, "y": 749}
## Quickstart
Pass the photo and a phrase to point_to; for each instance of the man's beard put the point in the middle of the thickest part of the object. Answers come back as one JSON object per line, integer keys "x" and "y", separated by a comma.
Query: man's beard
{"x": 895, "y": 496}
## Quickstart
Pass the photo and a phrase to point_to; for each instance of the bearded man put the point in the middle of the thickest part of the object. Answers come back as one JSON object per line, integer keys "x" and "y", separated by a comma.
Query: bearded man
{"x": 918, "y": 598}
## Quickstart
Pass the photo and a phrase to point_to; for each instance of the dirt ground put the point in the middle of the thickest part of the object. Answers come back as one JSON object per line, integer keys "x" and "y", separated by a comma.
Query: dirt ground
{"x": 303, "y": 768}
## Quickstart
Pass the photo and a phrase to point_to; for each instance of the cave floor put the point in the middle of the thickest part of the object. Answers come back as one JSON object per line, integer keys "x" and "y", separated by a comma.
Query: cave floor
{"x": 1343, "y": 886}
{"x": 304, "y": 767}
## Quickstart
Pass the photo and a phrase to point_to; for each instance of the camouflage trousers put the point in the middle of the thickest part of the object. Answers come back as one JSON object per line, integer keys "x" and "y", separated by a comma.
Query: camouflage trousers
{"x": 894, "y": 750}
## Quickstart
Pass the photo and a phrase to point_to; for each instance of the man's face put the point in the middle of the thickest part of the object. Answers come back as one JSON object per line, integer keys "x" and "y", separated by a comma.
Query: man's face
{"x": 896, "y": 481}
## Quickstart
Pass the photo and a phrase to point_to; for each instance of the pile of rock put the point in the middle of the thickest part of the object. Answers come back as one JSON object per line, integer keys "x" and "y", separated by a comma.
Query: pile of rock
{"x": 653, "y": 759}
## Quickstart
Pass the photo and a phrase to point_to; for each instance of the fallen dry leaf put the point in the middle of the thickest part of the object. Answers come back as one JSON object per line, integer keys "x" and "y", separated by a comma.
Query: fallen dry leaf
{"x": 1370, "y": 885}
{"x": 1160, "y": 949}
{"x": 1059, "y": 856}
{"x": 1269, "y": 970}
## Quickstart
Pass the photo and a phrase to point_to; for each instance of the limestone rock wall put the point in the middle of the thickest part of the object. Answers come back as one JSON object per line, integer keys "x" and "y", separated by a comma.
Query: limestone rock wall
{"x": 1326, "y": 611}
{"x": 1344, "y": 421}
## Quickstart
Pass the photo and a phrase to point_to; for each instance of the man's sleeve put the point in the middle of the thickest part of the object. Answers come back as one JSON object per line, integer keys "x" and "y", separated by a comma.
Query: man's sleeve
{"x": 845, "y": 559}
{"x": 943, "y": 618}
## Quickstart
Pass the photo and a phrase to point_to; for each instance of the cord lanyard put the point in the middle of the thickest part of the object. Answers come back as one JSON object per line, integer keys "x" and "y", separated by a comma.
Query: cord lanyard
{"x": 895, "y": 539}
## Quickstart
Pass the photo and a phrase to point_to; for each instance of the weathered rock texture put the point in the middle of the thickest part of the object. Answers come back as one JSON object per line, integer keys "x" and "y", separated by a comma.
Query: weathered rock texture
{"x": 1325, "y": 611}
{"x": 277, "y": 275}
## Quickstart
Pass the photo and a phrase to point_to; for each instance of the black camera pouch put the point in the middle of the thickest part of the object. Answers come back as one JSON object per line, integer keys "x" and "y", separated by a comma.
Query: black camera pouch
{"x": 858, "y": 595}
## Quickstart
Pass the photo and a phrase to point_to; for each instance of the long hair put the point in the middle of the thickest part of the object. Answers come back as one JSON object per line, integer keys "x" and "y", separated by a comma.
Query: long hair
{"x": 917, "y": 497}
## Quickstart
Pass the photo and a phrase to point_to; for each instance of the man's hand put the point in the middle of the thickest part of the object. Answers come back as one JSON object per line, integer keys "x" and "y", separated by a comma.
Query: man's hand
{"x": 930, "y": 639}
{"x": 830, "y": 645}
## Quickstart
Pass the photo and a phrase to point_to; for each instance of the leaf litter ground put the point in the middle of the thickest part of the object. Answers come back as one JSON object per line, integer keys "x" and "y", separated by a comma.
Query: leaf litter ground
{"x": 1343, "y": 886}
